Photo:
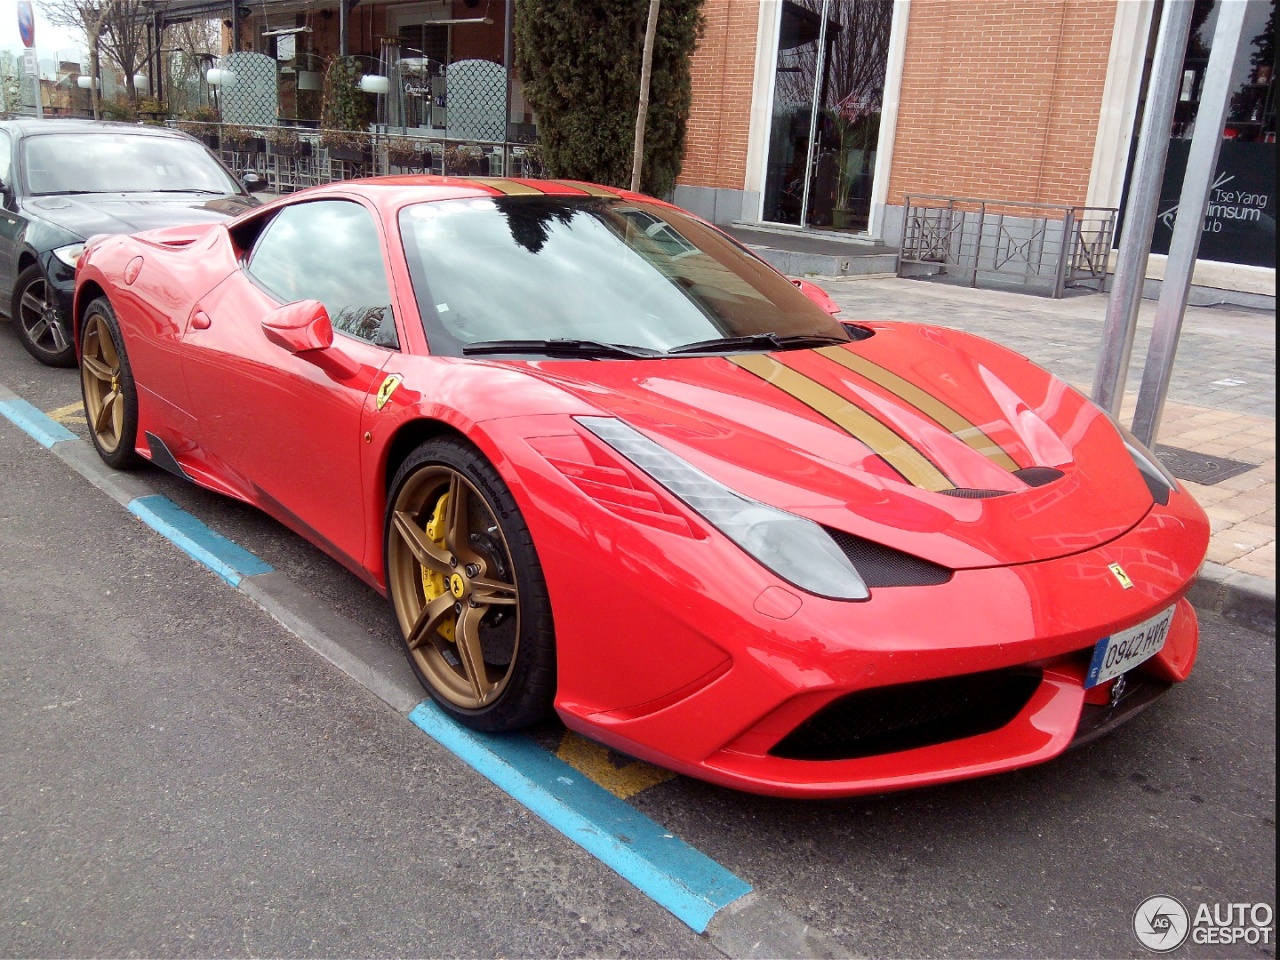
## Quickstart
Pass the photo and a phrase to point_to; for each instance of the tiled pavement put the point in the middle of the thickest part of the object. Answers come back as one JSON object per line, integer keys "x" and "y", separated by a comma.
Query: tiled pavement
{"x": 1222, "y": 395}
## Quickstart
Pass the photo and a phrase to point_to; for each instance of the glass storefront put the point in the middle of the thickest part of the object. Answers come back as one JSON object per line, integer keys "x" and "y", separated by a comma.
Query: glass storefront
{"x": 828, "y": 88}
{"x": 1240, "y": 223}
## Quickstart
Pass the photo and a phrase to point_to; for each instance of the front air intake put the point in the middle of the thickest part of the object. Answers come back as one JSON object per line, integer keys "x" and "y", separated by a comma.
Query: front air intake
{"x": 881, "y": 566}
{"x": 911, "y": 715}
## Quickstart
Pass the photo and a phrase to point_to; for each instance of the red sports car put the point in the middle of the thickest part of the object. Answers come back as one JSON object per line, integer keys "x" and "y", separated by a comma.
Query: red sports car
{"x": 604, "y": 460}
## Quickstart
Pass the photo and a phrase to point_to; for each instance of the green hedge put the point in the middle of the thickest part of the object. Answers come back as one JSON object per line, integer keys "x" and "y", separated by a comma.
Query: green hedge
{"x": 580, "y": 63}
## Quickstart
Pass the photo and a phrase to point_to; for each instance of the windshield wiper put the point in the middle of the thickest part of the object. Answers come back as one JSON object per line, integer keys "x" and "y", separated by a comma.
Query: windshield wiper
{"x": 215, "y": 193}
{"x": 757, "y": 341}
{"x": 559, "y": 347}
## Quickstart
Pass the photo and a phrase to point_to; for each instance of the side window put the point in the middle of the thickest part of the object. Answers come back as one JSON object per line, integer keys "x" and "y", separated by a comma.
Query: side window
{"x": 328, "y": 250}
{"x": 6, "y": 159}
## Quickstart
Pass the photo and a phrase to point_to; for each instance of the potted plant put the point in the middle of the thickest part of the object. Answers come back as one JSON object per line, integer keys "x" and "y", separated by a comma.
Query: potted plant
{"x": 464, "y": 160}
{"x": 400, "y": 153}
{"x": 120, "y": 110}
{"x": 285, "y": 142}
{"x": 153, "y": 110}
{"x": 201, "y": 123}
{"x": 345, "y": 111}
{"x": 242, "y": 139}
{"x": 346, "y": 145}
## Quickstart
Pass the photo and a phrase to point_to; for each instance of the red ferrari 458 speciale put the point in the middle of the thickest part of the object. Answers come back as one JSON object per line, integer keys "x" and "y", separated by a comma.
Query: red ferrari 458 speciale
{"x": 602, "y": 459}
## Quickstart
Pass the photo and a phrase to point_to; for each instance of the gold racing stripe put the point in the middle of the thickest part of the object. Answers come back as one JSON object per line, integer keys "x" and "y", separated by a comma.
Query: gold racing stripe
{"x": 509, "y": 187}
{"x": 588, "y": 188}
{"x": 883, "y": 441}
{"x": 930, "y": 406}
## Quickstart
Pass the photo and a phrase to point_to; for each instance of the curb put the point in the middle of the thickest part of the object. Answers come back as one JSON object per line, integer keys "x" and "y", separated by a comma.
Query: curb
{"x": 1243, "y": 597}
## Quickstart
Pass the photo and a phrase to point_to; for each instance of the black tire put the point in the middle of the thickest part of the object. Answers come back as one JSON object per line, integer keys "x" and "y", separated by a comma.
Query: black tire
{"x": 485, "y": 644}
{"x": 40, "y": 325}
{"x": 106, "y": 384}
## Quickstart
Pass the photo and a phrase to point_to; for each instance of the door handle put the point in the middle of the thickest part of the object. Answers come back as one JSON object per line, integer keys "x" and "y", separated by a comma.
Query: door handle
{"x": 200, "y": 320}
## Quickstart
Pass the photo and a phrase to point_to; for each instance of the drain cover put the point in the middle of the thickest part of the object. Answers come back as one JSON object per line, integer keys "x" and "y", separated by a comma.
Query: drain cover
{"x": 1200, "y": 467}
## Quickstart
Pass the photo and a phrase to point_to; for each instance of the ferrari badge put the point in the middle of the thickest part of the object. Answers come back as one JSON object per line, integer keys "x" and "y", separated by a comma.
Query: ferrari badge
{"x": 1121, "y": 576}
{"x": 387, "y": 389}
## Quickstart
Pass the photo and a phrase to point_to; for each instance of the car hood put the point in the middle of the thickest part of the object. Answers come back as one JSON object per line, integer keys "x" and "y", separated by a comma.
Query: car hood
{"x": 92, "y": 214}
{"x": 924, "y": 439}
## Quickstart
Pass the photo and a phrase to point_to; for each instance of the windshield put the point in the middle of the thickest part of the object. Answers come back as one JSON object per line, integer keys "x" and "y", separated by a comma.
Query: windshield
{"x": 600, "y": 269}
{"x": 120, "y": 163}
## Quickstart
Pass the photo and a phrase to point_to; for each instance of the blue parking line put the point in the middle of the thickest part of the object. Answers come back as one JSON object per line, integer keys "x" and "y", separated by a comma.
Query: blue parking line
{"x": 44, "y": 430}
{"x": 224, "y": 557}
{"x": 684, "y": 881}
{"x": 692, "y": 886}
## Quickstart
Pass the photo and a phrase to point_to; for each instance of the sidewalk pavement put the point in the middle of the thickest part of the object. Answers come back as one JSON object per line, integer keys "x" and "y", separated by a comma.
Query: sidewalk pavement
{"x": 1221, "y": 398}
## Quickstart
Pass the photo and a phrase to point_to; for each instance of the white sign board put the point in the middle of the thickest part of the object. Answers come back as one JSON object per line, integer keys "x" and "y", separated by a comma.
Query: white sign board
{"x": 29, "y": 64}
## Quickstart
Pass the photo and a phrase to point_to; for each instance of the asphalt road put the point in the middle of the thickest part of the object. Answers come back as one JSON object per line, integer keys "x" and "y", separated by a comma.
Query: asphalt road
{"x": 179, "y": 776}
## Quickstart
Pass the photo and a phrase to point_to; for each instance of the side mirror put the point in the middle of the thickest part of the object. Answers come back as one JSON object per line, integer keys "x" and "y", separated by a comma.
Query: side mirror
{"x": 817, "y": 295}
{"x": 253, "y": 182}
{"x": 299, "y": 327}
{"x": 303, "y": 328}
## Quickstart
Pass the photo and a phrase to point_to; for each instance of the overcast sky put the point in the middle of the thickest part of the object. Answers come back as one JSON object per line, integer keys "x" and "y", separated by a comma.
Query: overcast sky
{"x": 51, "y": 41}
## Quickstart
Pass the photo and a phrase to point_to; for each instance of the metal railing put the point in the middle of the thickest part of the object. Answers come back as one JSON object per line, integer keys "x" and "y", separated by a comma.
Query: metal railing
{"x": 291, "y": 158}
{"x": 1047, "y": 247}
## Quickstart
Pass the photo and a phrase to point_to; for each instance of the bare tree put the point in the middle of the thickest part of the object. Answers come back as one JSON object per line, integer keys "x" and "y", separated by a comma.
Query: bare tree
{"x": 196, "y": 43}
{"x": 89, "y": 16}
{"x": 127, "y": 39}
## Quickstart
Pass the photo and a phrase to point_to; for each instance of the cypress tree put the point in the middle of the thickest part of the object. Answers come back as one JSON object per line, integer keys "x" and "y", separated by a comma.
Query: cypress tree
{"x": 580, "y": 62}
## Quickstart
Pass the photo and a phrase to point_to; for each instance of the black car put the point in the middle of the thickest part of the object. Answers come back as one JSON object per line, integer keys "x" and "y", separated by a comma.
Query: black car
{"x": 63, "y": 181}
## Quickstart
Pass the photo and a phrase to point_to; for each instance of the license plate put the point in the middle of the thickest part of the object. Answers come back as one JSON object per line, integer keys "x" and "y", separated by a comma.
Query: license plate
{"x": 1123, "y": 651}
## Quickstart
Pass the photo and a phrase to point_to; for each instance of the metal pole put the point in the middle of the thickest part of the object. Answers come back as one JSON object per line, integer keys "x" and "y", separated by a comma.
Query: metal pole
{"x": 342, "y": 28}
{"x": 813, "y": 112}
{"x": 1065, "y": 249}
{"x": 1140, "y": 215}
{"x": 1202, "y": 162}
{"x": 235, "y": 26}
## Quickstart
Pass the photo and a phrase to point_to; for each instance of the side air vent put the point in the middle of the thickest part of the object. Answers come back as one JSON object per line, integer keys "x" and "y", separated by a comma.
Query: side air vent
{"x": 910, "y": 715}
{"x": 1038, "y": 476}
{"x": 881, "y": 566}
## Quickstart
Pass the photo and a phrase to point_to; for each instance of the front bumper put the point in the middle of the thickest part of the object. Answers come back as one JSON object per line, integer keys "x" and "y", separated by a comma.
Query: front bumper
{"x": 757, "y": 672}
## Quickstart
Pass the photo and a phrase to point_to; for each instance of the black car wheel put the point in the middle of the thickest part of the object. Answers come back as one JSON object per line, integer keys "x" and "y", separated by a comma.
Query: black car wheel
{"x": 41, "y": 327}
{"x": 467, "y": 589}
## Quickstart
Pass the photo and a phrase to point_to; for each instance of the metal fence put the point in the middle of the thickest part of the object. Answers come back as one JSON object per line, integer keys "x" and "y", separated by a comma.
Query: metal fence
{"x": 999, "y": 243}
{"x": 291, "y": 158}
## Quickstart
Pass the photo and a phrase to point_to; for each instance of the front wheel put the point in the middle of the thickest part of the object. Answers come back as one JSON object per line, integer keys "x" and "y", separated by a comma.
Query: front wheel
{"x": 40, "y": 325}
{"x": 106, "y": 382}
{"x": 467, "y": 589}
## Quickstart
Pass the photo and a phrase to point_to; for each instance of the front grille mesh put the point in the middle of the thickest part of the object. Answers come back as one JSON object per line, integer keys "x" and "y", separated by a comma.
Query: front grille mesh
{"x": 911, "y": 715}
{"x": 881, "y": 566}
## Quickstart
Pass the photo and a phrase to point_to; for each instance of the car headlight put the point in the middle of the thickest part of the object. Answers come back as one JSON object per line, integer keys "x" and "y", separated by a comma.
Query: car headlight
{"x": 70, "y": 253}
{"x": 797, "y": 550}
{"x": 1155, "y": 474}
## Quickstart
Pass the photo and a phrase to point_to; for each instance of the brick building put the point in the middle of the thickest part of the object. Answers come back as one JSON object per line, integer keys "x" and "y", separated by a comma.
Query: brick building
{"x": 1028, "y": 101}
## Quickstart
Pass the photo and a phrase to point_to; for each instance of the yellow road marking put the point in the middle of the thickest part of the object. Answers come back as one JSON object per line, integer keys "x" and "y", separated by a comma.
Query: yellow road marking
{"x": 592, "y": 760}
{"x": 882, "y": 439}
{"x": 71, "y": 413}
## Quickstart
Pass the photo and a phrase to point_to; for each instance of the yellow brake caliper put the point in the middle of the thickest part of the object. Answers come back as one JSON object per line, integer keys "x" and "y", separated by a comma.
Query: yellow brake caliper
{"x": 434, "y": 584}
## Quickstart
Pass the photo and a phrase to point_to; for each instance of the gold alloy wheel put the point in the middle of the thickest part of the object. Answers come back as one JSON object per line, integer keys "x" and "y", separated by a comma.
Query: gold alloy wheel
{"x": 453, "y": 587}
{"x": 100, "y": 375}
